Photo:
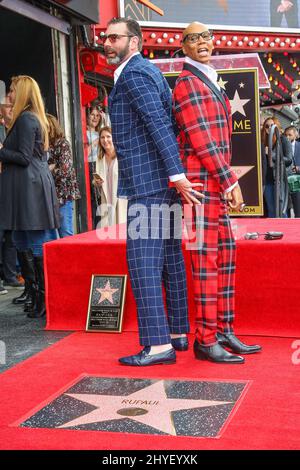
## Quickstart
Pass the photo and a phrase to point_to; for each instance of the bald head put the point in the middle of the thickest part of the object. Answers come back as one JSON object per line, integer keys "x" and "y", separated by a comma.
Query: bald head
{"x": 194, "y": 27}
{"x": 197, "y": 42}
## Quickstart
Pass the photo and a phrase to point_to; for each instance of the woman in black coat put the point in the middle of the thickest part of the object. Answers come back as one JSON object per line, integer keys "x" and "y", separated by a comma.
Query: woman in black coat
{"x": 28, "y": 202}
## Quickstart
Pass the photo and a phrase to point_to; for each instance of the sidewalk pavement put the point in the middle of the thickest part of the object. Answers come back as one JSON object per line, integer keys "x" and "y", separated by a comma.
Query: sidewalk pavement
{"x": 21, "y": 337}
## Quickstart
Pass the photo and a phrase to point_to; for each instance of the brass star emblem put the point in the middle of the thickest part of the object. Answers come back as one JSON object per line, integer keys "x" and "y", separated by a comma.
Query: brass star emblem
{"x": 106, "y": 293}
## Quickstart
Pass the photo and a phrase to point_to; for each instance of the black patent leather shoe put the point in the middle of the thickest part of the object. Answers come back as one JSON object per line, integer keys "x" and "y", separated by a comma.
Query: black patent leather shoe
{"x": 216, "y": 353}
{"x": 180, "y": 344}
{"x": 143, "y": 358}
{"x": 229, "y": 340}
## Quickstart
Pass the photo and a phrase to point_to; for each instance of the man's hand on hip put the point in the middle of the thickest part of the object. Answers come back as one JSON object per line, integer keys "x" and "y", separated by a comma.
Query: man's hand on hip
{"x": 185, "y": 187}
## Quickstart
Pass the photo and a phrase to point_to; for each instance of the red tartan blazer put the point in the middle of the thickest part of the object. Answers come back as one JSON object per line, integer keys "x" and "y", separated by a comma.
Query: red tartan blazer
{"x": 204, "y": 133}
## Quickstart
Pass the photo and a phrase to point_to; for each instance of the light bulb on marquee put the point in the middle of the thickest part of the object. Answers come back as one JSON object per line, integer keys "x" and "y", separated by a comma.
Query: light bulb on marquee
{"x": 153, "y": 35}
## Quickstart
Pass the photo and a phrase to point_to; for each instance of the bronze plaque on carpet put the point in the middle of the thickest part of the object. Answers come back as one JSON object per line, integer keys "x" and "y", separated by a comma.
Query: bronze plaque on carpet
{"x": 106, "y": 304}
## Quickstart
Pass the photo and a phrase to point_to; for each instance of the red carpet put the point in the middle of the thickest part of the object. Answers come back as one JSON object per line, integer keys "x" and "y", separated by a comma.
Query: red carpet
{"x": 267, "y": 418}
{"x": 267, "y": 285}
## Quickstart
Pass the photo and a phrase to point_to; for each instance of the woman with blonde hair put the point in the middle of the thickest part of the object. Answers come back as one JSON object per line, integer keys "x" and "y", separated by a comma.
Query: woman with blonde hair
{"x": 112, "y": 210}
{"x": 61, "y": 166}
{"x": 28, "y": 201}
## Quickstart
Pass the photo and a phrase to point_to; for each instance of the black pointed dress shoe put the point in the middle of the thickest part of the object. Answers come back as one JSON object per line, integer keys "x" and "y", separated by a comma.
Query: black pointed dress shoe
{"x": 216, "y": 353}
{"x": 229, "y": 340}
{"x": 180, "y": 344}
{"x": 143, "y": 358}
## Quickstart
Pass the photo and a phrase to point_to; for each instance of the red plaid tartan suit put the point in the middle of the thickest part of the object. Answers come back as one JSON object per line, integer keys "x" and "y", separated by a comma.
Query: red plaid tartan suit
{"x": 205, "y": 149}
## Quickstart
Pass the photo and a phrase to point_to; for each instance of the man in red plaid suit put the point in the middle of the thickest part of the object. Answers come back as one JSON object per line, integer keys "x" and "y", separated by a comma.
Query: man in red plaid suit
{"x": 203, "y": 116}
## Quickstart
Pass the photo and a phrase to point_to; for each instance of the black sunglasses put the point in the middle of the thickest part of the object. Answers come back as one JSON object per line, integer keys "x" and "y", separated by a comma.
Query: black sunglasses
{"x": 114, "y": 37}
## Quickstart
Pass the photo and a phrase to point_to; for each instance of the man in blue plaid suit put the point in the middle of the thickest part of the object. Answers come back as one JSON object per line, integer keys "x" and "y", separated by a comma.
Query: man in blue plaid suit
{"x": 140, "y": 110}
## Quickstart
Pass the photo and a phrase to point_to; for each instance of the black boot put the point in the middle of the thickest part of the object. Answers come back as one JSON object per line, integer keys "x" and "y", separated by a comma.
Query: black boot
{"x": 21, "y": 299}
{"x": 229, "y": 340}
{"x": 39, "y": 307}
{"x": 27, "y": 270}
{"x": 30, "y": 302}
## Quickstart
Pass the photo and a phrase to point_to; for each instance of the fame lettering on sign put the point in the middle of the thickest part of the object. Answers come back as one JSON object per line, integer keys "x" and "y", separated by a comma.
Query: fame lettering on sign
{"x": 243, "y": 125}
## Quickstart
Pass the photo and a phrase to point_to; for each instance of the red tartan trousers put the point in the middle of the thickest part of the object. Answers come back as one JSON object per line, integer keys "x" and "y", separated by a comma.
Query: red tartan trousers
{"x": 213, "y": 256}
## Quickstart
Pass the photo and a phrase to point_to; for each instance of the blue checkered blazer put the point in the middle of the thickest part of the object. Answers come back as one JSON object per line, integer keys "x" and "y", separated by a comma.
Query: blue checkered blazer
{"x": 140, "y": 109}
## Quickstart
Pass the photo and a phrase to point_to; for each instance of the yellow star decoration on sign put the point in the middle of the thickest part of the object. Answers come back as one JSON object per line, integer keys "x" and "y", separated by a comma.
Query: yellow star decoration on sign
{"x": 221, "y": 83}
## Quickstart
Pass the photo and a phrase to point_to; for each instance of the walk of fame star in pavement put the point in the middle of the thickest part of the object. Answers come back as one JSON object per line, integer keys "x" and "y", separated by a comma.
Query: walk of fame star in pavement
{"x": 144, "y": 406}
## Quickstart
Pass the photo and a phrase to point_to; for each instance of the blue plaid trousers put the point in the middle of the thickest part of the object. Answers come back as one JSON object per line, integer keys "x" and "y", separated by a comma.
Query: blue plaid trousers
{"x": 154, "y": 257}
